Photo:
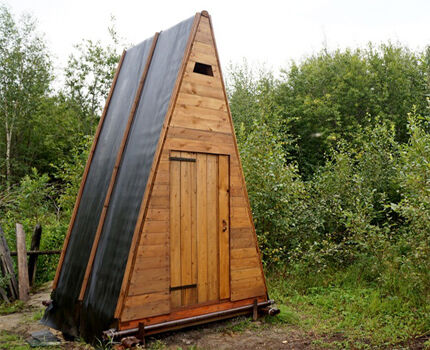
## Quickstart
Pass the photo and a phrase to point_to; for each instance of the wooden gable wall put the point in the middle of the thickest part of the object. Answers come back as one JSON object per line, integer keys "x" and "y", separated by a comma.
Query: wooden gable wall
{"x": 200, "y": 123}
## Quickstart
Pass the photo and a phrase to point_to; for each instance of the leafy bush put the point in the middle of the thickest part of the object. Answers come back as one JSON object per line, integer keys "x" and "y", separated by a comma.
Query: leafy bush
{"x": 408, "y": 265}
{"x": 278, "y": 196}
{"x": 329, "y": 95}
{"x": 350, "y": 195}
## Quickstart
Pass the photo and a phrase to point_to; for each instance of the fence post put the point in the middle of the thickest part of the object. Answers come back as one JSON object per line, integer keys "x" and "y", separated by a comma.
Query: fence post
{"x": 35, "y": 245}
{"x": 22, "y": 263}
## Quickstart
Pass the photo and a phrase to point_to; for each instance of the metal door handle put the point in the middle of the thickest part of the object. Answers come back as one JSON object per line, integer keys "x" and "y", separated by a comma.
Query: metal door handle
{"x": 224, "y": 226}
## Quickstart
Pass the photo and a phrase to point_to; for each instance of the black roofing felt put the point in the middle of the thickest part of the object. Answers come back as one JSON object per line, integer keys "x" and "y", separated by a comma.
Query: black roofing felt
{"x": 98, "y": 307}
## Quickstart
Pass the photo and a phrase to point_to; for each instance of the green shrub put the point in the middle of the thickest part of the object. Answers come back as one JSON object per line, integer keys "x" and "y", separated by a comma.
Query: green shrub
{"x": 278, "y": 196}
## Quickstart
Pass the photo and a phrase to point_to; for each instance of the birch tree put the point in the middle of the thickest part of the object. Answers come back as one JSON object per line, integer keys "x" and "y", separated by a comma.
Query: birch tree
{"x": 25, "y": 75}
{"x": 89, "y": 73}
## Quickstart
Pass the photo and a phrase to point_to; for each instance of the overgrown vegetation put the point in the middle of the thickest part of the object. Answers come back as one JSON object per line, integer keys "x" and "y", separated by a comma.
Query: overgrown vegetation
{"x": 336, "y": 154}
{"x": 45, "y": 134}
{"x": 347, "y": 228}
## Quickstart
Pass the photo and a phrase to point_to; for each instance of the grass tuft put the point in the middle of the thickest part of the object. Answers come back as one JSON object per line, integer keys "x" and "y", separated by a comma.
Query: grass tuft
{"x": 11, "y": 308}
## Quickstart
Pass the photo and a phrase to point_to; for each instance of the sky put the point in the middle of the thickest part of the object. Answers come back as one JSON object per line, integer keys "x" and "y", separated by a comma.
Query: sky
{"x": 265, "y": 32}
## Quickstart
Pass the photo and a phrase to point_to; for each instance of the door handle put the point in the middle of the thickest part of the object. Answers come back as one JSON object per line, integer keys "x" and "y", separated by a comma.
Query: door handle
{"x": 224, "y": 226}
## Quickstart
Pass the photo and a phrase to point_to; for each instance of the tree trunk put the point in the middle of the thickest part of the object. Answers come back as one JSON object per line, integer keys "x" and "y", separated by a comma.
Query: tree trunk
{"x": 8, "y": 147}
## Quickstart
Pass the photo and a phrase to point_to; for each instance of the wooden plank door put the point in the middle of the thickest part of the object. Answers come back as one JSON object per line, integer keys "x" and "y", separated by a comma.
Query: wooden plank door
{"x": 199, "y": 228}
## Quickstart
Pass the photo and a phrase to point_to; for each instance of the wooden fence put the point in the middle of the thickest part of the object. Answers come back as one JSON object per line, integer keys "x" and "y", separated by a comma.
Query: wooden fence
{"x": 13, "y": 288}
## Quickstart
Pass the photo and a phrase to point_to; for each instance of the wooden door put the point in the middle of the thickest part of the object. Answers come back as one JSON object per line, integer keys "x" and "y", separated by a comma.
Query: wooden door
{"x": 199, "y": 228}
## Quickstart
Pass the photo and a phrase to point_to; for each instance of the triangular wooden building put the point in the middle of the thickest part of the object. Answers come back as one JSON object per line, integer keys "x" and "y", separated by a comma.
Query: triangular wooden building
{"x": 162, "y": 234}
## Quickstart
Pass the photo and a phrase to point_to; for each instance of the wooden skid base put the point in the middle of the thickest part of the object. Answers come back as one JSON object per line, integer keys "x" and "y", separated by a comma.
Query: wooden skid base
{"x": 194, "y": 317}
{"x": 190, "y": 312}
{"x": 196, "y": 323}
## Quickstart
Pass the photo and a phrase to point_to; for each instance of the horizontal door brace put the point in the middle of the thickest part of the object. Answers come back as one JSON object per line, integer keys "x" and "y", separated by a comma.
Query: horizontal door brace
{"x": 183, "y": 287}
{"x": 181, "y": 159}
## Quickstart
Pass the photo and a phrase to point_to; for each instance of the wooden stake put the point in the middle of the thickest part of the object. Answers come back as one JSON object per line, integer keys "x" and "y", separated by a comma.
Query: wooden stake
{"x": 255, "y": 310}
{"x": 6, "y": 266}
{"x": 141, "y": 333}
{"x": 22, "y": 263}
{"x": 35, "y": 244}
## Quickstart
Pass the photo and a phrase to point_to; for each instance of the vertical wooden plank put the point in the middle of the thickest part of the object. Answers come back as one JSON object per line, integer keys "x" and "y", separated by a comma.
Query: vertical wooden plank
{"x": 186, "y": 229}
{"x": 175, "y": 230}
{"x": 224, "y": 227}
{"x": 202, "y": 233}
{"x": 193, "y": 291}
{"x": 23, "y": 283}
{"x": 6, "y": 266}
{"x": 212, "y": 227}
{"x": 35, "y": 245}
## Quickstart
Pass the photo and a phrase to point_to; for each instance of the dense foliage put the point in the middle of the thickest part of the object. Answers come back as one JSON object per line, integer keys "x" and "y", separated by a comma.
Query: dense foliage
{"x": 336, "y": 162}
{"x": 336, "y": 154}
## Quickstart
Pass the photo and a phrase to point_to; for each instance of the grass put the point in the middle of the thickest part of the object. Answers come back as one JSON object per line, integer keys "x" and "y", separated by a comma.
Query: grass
{"x": 156, "y": 345}
{"x": 37, "y": 316}
{"x": 11, "y": 308}
{"x": 338, "y": 311}
{"x": 287, "y": 316}
{"x": 237, "y": 324}
{"x": 359, "y": 316}
{"x": 159, "y": 345}
{"x": 14, "y": 341}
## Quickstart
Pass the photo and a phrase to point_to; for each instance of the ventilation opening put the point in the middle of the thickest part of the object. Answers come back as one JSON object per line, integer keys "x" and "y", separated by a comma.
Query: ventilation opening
{"x": 202, "y": 68}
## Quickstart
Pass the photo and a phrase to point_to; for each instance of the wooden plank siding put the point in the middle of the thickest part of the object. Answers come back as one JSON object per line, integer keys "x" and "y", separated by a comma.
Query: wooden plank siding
{"x": 175, "y": 230}
{"x": 225, "y": 265}
{"x": 212, "y": 227}
{"x": 202, "y": 237}
{"x": 189, "y": 312}
{"x": 150, "y": 278}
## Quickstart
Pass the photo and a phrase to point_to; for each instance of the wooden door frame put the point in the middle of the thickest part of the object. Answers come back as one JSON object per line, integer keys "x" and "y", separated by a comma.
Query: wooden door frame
{"x": 212, "y": 302}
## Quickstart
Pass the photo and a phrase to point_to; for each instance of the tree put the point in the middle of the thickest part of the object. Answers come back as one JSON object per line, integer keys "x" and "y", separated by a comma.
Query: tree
{"x": 25, "y": 76}
{"x": 89, "y": 74}
{"x": 328, "y": 96}
{"x": 252, "y": 97}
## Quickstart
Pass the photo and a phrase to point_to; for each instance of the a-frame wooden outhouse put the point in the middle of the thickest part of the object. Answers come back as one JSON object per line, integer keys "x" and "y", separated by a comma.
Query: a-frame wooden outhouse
{"x": 162, "y": 234}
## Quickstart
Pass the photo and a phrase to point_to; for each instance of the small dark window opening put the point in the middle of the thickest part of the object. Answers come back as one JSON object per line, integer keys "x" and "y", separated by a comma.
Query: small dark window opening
{"x": 202, "y": 68}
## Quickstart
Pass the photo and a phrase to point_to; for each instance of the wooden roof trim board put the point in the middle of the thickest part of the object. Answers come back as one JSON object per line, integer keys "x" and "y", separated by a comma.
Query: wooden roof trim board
{"x": 238, "y": 155}
{"x": 149, "y": 185}
{"x": 84, "y": 177}
{"x": 116, "y": 168}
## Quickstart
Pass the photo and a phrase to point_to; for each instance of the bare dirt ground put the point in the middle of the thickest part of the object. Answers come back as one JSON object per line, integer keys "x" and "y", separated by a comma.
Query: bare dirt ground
{"x": 24, "y": 322}
{"x": 238, "y": 334}
{"x": 235, "y": 334}
{"x": 221, "y": 336}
